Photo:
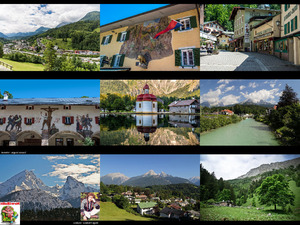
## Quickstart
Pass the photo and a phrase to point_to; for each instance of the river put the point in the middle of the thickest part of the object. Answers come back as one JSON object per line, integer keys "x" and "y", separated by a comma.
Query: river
{"x": 247, "y": 132}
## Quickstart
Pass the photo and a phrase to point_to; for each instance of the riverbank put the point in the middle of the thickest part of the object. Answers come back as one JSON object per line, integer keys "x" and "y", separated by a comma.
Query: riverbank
{"x": 247, "y": 132}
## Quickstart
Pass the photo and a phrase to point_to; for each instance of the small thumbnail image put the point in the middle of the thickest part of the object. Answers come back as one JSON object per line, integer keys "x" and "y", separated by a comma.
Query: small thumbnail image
{"x": 90, "y": 206}
{"x": 150, "y": 112}
{"x": 10, "y": 212}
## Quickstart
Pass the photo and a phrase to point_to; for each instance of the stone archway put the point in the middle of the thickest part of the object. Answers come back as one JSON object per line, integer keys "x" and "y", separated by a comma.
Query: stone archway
{"x": 28, "y": 138}
{"x": 66, "y": 138}
{"x": 4, "y": 138}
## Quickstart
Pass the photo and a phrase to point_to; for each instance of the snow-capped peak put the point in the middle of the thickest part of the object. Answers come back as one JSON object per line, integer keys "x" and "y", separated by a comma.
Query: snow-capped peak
{"x": 150, "y": 173}
{"x": 163, "y": 174}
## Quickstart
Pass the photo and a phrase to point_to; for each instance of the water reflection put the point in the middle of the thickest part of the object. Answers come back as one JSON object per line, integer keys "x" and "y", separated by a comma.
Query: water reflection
{"x": 152, "y": 129}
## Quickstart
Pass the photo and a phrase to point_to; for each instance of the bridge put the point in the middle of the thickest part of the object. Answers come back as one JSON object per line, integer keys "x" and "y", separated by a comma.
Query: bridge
{"x": 5, "y": 67}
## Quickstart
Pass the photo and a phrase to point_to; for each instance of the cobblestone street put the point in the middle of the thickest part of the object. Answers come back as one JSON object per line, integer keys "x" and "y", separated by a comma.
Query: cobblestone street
{"x": 244, "y": 61}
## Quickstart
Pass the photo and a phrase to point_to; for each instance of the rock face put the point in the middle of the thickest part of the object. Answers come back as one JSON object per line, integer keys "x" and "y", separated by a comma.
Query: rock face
{"x": 26, "y": 188}
{"x": 272, "y": 166}
{"x": 150, "y": 178}
{"x": 141, "y": 40}
{"x": 114, "y": 178}
{"x": 24, "y": 180}
{"x": 36, "y": 199}
{"x": 72, "y": 189}
{"x": 195, "y": 180}
{"x": 178, "y": 88}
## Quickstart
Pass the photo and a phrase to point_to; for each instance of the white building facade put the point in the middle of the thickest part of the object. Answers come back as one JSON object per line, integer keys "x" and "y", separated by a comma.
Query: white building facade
{"x": 49, "y": 121}
{"x": 145, "y": 102}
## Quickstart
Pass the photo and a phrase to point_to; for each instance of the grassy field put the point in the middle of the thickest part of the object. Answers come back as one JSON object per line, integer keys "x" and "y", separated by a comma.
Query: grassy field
{"x": 219, "y": 213}
{"x": 242, "y": 214}
{"x": 110, "y": 212}
{"x": 24, "y": 66}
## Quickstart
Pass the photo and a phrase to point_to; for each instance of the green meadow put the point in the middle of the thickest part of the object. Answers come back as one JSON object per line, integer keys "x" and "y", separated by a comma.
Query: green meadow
{"x": 219, "y": 213}
{"x": 110, "y": 212}
{"x": 24, "y": 66}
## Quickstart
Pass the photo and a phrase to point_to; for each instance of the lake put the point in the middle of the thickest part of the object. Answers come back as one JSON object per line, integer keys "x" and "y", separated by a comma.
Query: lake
{"x": 149, "y": 129}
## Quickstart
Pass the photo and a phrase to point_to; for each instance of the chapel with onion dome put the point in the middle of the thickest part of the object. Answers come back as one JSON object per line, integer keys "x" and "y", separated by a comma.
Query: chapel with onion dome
{"x": 145, "y": 102}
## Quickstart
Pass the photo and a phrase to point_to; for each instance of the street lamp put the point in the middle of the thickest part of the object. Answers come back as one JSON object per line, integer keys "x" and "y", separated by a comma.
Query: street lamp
{"x": 278, "y": 23}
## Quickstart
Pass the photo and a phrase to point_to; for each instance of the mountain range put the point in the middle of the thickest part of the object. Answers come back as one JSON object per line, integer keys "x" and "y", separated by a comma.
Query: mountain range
{"x": 91, "y": 16}
{"x": 31, "y": 191}
{"x": 269, "y": 167}
{"x": 148, "y": 179}
{"x": 245, "y": 102}
{"x": 177, "y": 88}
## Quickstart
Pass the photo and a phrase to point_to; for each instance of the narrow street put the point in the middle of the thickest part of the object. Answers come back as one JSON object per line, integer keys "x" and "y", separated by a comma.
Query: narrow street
{"x": 244, "y": 61}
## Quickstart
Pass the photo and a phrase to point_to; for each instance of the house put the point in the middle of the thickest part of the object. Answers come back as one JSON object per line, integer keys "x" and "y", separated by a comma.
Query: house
{"x": 175, "y": 206}
{"x": 175, "y": 50}
{"x": 224, "y": 39}
{"x": 137, "y": 200}
{"x": 142, "y": 197}
{"x": 241, "y": 17}
{"x": 288, "y": 46}
{"x": 213, "y": 28}
{"x": 49, "y": 121}
{"x": 193, "y": 214}
{"x": 185, "y": 106}
{"x": 146, "y": 207}
{"x": 226, "y": 112}
{"x": 171, "y": 213}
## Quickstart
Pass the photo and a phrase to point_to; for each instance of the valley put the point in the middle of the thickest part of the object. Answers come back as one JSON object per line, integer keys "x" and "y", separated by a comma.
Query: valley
{"x": 242, "y": 199}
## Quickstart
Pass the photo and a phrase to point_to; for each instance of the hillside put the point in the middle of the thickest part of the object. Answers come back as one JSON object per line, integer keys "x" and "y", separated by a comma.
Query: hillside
{"x": 110, "y": 212}
{"x": 178, "y": 88}
{"x": 269, "y": 167}
{"x": 91, "y": 16}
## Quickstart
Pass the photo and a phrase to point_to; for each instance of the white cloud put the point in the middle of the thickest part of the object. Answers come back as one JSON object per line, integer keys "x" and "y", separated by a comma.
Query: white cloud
{"x": 221, "y": 86}
{"x": 224, "y": 81}
{"x": 229, "y": 88}
{"x": 242, "y": 87}
{"x": 212, "y": 97}
{"x": 263, "y": 94}
{"x": 230, "y": 99}
{"x": 29, "y": 17}
{"x": 233, "y": 166}
{"x": 253, "y": 85}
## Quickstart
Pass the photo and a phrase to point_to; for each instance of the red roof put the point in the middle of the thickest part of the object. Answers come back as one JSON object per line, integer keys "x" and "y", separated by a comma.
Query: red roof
{"x": 147, "y": 97}
{"x": 227, "y": 110}
{"x": 153, "y": 97}
{"x": 146, "y": 87}
{"x": 140, "y": 97}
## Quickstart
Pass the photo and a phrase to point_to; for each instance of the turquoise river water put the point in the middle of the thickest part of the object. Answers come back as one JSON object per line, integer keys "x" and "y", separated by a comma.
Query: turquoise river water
{"x": 247, "y": 132}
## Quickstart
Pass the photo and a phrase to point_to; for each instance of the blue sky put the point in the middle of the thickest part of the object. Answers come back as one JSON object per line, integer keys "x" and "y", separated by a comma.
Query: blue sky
{"x": 16, "y": 18}
{"x": 53, "y": 169}
{"x": 185, "y": 166}
{"x": 232, "y": 166}
{"x": 114, "y": 12}
{"x": 227, "y": 92}
{"x": 60, "y": 88}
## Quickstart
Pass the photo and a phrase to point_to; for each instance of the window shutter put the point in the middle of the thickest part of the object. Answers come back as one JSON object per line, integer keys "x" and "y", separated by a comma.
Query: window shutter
{"x": 109, "y": 40}
{"x": 64, "y": 107}
{"x": 296, "y": 21}
{"x": 127, "y": 36}
{"x": 292, "y": 25}
{"x": 26, "y": 106}
{"x": 4, "y": 119}
{"x": 122, "y": 60}
{"x": 119, "y": 36}
{"x": 193, "y": 21}
{"x": 104, "y": 57}
{"x": 113, "y": 61}
{"x": 72, "y": 119}
{"x": 96, "y": 119}
{"x": 196, "y": 52}
{"x": 69, "y": 107}
{"x": 64, "y": 119}
{"x": 103, "y": 39}
{"x": 177, "y": 57}
{"x": 32, "y": 120}
{"x": 33, "y": 107}
{"x": 177, "y": 29}
{"x": 25, "y": 120}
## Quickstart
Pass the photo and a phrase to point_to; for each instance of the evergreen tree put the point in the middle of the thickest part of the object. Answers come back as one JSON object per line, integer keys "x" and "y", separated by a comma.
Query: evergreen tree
{"x": 288, "y": 97}
{"x": 49, "y": 57}
{"x": 1, "y": 50}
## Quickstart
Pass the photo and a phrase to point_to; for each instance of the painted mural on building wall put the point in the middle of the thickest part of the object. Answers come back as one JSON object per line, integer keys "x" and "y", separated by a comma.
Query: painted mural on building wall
{"x": 141, "y": 42}
{"x": 84, "y": 125}
{"x": 14, "y": 122}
